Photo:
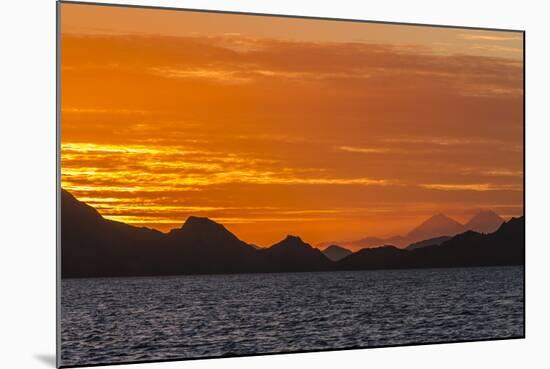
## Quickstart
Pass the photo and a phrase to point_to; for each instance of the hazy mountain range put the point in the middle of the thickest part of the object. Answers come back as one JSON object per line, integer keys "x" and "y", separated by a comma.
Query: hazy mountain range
{"x": 336, "y": 253}
{"x": 92, "y": 246}
{"x": 485, "y": 221}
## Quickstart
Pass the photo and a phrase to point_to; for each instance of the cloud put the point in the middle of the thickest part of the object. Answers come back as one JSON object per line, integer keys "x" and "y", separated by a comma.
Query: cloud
{"x": 504, "y": 173}
{"x": 486, "y": 37}
{"x": 232, "y": 76}
{"x": 442, "y": 140}
{"x": 480, "y": 187}
{"x": 173, "y": 126}
{"x": 210, "y": 58}
{"x": 79, "y": 111}
{"x": 516, "y": 50}
{"x": 363, "y": 150}
{"x": 222, "y": 76}
{"x": 137, "y": 168}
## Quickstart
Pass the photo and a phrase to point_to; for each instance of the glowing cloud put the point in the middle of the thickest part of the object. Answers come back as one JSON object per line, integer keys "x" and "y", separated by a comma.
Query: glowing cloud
{"x": 351, "y": 131}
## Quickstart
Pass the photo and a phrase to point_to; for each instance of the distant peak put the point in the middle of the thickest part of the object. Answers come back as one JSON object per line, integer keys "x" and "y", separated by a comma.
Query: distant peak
{"x": 435, "y": 226}
{"x": 202, "y": 228}
{"x": 293, "y": 238}
{"x": 334, "y": 247}
{"x": 438, "y": 219}
{"x": 484, "y": 221}
{"x": 201, "y": 223}
{"x": 486, "y": 214}
{"x": 335, "y": 252}
{"x": 439, "y": 216}
{"x": 291, "y": 241}
{"x": 485, "y": 211}
{"x": 199, "y": 220}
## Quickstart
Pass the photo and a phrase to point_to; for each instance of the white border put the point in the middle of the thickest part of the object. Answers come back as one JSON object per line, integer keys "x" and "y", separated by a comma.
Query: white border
{"x": 28, "y": 182}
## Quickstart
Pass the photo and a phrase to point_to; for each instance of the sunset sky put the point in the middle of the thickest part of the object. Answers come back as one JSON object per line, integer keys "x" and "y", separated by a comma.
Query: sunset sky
{"x": 274, "y": 126}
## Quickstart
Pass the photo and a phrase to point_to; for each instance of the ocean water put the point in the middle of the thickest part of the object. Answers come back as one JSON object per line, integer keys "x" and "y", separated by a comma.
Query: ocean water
{"x": 111, "y": 320}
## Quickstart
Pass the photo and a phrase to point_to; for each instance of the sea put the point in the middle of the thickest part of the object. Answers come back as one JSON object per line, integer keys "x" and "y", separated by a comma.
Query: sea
{"x": 117, "y": 320}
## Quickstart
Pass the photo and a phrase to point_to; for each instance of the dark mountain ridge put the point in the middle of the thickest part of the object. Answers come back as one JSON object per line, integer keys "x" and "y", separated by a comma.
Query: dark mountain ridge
{"x": 95, "y": 246}
{"x": 504, "y": 247}
{"x": 294, "y": 255}
{"x": 92, "y": 246}
{"x": 428, "y": 242}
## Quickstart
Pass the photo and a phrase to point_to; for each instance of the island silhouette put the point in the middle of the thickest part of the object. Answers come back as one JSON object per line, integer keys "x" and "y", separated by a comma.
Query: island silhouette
{"x": 93, "y": 246}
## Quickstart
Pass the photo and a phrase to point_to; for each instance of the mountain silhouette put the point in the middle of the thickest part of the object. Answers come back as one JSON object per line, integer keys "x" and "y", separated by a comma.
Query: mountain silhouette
{"x": 428, "y": 242}
{"x": 293, "y": 255}
{"x": 436, "y": 226}
{"x": 504, "y": 247}
{"x": 383, "y": 257}
{"x": 204, "y": 246}
{"x": 95, "y": 246}
{"x": 485, "y": 221}
{"x": 92, "y": 246}
{"x": 335, "y": 252}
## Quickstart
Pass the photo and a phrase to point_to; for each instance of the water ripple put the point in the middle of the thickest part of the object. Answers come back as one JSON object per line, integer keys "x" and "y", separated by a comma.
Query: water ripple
{"x": 112, "y": 320}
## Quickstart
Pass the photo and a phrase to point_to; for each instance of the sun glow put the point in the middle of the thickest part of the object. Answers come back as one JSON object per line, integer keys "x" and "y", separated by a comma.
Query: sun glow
{"x": 325, "y": 137}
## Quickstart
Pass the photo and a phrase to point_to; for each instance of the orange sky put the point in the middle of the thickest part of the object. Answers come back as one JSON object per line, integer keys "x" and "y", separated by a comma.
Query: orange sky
{"x": 328, "y": 130}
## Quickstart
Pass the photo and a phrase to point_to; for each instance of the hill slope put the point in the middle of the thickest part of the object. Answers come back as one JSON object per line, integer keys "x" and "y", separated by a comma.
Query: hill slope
{"x": 436, "y": 226}
{"x": 503, "y": 247}
{"x": 92, "y": 246}
{"x": 336, "y": 253}
{"x": 294, "y": 255}
{"x": 485, "y": 221}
